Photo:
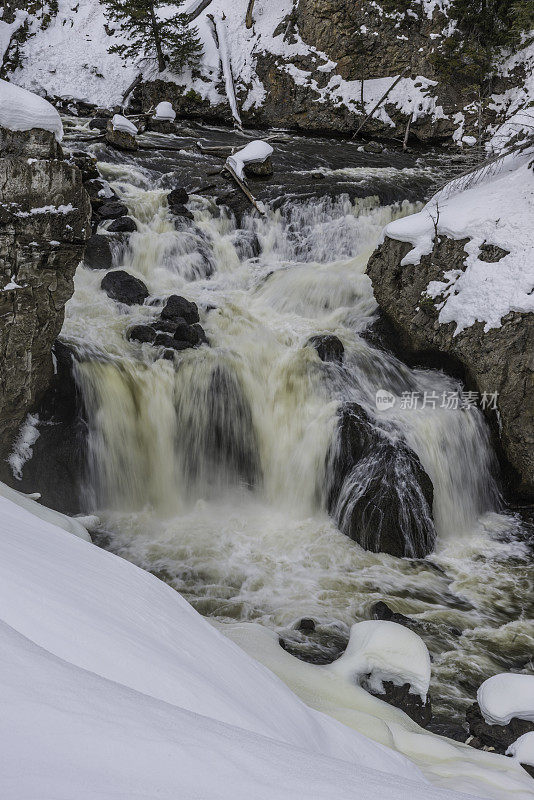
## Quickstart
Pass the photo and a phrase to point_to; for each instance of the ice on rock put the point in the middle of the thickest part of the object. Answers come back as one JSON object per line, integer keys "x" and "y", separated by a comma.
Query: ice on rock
{"x": 255, "y": 152}
{"x": 21, "y": 110}
{"x": 165, "y": 111}
{"x": 120, "y": 123}
{"x": 523, "y": 749}
{"x": 381, "y": 651}
{"x": 505, "y": 696}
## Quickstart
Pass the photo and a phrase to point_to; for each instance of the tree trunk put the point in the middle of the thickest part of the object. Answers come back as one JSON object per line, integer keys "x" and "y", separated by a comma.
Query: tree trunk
{"x": 157, "y": 39}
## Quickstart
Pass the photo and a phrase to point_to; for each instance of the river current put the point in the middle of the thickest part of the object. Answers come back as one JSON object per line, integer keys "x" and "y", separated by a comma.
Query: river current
{"x": 209, "y": 470}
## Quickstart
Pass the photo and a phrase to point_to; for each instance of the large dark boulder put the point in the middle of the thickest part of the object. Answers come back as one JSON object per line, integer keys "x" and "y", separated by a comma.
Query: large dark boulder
{"x": 177, "y": 308}
{"x": 123, "y": 225}
{"x": 499, "y": 360}
{"x": 377, "y": 489}
{"x": 329, "y": 347}
{"x": 498, "y": 736}
{"x": 142, "y": 333}
{"x": 177, "y": 197}
{"x": 187, "y": 333}
{"x": 99, "y": 251}
{"x": 123, "y": 287}
{"x": 112, "y": 210}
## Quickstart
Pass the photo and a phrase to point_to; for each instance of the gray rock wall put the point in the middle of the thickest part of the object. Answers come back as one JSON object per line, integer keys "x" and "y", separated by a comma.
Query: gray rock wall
{"x": 40, "y": 249}
{"x": 501, "y": 360}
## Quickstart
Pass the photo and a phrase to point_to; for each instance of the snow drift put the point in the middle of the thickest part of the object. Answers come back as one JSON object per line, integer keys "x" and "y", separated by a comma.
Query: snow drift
{"x": 21, "y": 110}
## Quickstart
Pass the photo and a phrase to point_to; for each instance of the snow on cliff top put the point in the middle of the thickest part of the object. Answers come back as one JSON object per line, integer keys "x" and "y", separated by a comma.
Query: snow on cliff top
{"x": 505, "y": 696}
{"x": 495, "y": 208}
{"x": 21, "y": 110}
{"x": 117, "y": 687}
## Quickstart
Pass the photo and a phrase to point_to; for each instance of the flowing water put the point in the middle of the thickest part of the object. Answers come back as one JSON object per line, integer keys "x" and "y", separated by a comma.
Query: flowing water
{"x": 210, "y": 470}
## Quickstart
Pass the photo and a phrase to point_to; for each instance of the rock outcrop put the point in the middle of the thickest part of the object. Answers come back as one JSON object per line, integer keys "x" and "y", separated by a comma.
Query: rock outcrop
{"x": 45, "y": 222}
{"x": 500, "y": 360}
{"x": 378, "y": 491}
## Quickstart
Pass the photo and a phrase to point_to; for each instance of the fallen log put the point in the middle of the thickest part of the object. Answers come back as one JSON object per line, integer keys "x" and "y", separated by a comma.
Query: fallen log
{"x": 249, "y": 19}
{"x": 384, "y": 97}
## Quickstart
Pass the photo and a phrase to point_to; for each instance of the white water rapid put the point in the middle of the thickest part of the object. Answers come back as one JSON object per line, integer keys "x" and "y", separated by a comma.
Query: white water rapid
{"x": 209, "y": 470}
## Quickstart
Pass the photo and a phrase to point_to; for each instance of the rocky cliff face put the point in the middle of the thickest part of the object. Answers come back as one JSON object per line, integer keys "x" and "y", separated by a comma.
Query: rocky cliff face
{"x": 45, "y": 221}
{"x": 500, "y": 360}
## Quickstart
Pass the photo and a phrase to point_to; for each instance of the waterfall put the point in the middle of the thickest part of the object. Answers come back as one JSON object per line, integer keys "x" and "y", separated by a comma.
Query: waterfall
{"x": 212, "y": 470}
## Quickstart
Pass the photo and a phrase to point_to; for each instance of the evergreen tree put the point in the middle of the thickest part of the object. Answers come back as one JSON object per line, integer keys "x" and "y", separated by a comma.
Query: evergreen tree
{"x": 170, "y": 41}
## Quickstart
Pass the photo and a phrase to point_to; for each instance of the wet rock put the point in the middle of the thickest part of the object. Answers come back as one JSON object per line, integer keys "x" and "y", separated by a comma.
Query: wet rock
{"x": 166, "y": 340}
{"x": 124, "y": 288}
{"x": 378, "y": 491}
{"x": 492, "y": 361}
{"x": 99, "y": 193}
{"x": 177, "y": 197}
{"x": 86, "y": 163}
{"x": 329, "y": 347}
{"x": 373, "y": 147}
{"x": 99, "y": 124}
{"x": 186, "y": 333}
{"x": 448, "y": 729}
{"x": 168, "y": 325}
{"x": 120, "y": 139}
{"x": 99, "y": 251}
{"x": 236, "y": 203}
{"x": 247, "y": 245}
{"x": 181, "y": 211}
{"x": 263, "y": 169}
{"x": 123, "y": 225}
{"x": 381, "y": 610}
{"x": 39, "y": 253}
{"x": 411, "y": 704}
{"x": 202, "y": 338}
{"x": 142, "y": 333}
{"x": 177, "y": 308}
{"x": 57, "y": 466}
{"x": 306, "y": 625}
{"x": 112, "y": 210}
{"x": 498, "y": 736}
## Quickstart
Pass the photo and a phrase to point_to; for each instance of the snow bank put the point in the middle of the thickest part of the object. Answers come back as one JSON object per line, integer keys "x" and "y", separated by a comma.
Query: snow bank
{"x": 21, "y": 110}
{"x": 385, "y": 651}
{"x": 120, "y": 123}
{"x": 523, "y": 749}
{"x": 117, "y": 687}
{"x": 9, "y": 498}
{"x": 255, "y": 152}
{"x": 505, "y": 696}
{"x": 494, "y": 207}
{"x": 165, "y": 111}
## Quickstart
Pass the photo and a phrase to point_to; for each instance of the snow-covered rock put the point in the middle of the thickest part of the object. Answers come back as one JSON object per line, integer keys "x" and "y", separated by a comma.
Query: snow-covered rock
{"x": 21, "y": 110}
{"x": 523, "y": 749}
{"x": 164, "y": 111}
{"x": 381, "y": 651}
{"x": 255, "y": 152}
{"x": 503, "y": 697}
{"x": 120, "y": 123}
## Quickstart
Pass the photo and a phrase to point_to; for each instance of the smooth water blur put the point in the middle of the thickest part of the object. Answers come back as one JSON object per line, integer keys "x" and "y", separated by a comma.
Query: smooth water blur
{"x": 210, "y": 470}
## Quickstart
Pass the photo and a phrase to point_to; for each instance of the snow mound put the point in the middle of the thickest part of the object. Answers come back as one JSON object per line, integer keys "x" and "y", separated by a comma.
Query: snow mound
{"x": 120, "y": 123}
{"x": 381, "y": 651}
{"x": 21, "y": 110}
{"x": 523, "y": 749}
{"x": 165, "y": 111}
{"x": 494, "y": 206}
{"x": 116, "y": 685}
{"x": 47, "y": 515}
{"x": 255, "y": 152}
{"x": 505, "y": 696}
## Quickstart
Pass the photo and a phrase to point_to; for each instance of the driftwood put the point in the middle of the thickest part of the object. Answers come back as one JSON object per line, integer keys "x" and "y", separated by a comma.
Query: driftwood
{"x": 131, "y": 87}
{"x": 244, "y": 188}
{"x": 222, "y": 152}
{"x": 384, "y": 96}
{"x": 407, "y": 134}
{"x": 249, "y": 20}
